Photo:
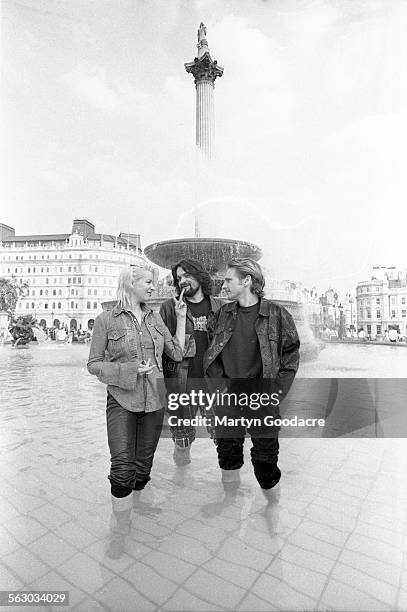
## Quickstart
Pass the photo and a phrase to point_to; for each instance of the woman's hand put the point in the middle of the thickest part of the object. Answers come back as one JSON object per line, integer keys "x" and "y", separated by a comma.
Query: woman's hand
{"x": 180, "y": 306}
{"x": 145, "y": 367}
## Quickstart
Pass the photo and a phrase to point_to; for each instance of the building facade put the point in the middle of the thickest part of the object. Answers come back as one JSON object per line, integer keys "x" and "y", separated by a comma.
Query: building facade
{"x": 382, "y": 302}
{"x": 68, "y": 276}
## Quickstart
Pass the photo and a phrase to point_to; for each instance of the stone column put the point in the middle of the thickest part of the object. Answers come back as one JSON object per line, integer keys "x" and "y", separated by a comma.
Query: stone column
{"x": 205, "y": 117}
{"x": 205, "y": 71}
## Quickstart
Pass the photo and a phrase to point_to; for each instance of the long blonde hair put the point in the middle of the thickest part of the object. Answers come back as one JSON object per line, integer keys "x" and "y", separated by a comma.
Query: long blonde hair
{"x": 127, "y": 275}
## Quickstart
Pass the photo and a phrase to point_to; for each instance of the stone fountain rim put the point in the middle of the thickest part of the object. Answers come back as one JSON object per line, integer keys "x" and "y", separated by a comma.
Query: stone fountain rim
{"x": 202, "y": 241}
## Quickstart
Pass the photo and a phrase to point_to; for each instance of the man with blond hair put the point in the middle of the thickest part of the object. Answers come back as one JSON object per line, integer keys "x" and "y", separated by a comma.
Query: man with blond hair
{"x": 254, "y": 348}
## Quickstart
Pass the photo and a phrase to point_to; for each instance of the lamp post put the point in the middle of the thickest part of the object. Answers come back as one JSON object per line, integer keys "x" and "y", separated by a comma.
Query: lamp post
{"x": 340, "y": 322}
{"x": 351, "y": 312}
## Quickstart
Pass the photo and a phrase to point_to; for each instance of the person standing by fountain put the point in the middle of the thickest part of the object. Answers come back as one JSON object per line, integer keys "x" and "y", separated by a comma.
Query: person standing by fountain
{"x": 190, "y": 276}
{"x": 126, "y": 354}
{"x": 254, "y": 347}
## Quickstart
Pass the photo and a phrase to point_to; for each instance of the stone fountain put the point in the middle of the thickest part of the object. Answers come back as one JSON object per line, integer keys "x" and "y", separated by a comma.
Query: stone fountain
{"x": 213, "y": 253}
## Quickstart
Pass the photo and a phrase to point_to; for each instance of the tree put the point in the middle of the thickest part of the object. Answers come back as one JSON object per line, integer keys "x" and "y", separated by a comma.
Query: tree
{"x": 21, "y": 328}
{"x": 10, "y": 292}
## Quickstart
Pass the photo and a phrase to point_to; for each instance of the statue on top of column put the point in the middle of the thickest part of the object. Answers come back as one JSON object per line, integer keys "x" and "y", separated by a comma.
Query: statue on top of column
{"x": 201, "y": 32}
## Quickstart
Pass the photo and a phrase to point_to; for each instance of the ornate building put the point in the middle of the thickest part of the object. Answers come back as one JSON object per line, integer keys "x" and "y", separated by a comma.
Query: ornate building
{"x": 382, "y": 302}
{"x": 68, "y": 275}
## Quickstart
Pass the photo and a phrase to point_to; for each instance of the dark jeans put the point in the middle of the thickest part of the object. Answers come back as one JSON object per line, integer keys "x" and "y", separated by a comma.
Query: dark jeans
{"x": 132, "y": 438}
{"x": 264, "y": 452}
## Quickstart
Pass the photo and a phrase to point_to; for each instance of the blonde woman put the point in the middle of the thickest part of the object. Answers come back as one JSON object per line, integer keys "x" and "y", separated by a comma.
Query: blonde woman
{"x": 125, "y": 353}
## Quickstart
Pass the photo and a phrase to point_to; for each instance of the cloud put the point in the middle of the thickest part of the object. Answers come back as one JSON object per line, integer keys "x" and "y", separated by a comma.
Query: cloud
{"x": 114, "y": 95}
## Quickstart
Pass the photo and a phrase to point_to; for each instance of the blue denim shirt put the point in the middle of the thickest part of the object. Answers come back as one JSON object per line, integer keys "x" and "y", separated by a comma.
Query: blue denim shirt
{"x": 119, "y": 344}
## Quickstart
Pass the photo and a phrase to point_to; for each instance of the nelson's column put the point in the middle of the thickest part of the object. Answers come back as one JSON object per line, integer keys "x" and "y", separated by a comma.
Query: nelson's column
{"x": 213, "y": 253}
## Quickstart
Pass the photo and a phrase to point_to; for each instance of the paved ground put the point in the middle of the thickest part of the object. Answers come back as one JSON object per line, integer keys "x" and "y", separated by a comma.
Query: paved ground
{"x": 333, "y": 537}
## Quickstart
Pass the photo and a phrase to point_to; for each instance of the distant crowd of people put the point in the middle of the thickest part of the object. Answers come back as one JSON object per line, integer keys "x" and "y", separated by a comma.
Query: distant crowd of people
{"x": 63, "y": 334}
{"x": 390, "y": 335}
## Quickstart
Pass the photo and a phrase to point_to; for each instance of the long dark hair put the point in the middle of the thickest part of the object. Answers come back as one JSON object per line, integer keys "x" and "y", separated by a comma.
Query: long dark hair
{"x": 194, "y": 269}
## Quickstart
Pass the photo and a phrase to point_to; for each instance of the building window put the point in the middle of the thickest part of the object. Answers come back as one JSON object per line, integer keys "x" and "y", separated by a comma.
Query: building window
{"x": 377, "y": 301}
{"x": 403, "y": 313}
{"x": 379, "y": 330}
{"x": 378, "y": 313}
{"x": 27, "y": 306}
{"x": 88, "y": 305}
{"x": 368, "y": 314}
{"x": 89, "y": 291}
{"x": 46, "y": 292}
{"x": 72, "y": 305}
{"x": 59, "y": 304}
{"x": 69, "y": 280}
{"x": 46, "y": 306}
{"x": 74, "y": 280}
{"x": 69, "y": 269}
{"x": 33, "y": 292}
{"x": 393, "y": 314}
{"x": 41, "y": 291}
{"x": 54, "y": 292}
{"x": 53, "y": 305}
{"x": 393, "y": 300}
{"x": 72, "y": 291}
{"x": 369, "y": 329}
{"x": 32, "y": 305}
{"x": 403, "y": 300}
{"x": 95, "y": 305}
{"x": 59, "y": 292}
{"x": 46, "y": 281}
{"x": 79, "y": 280}
{"x": 95, "y": 292}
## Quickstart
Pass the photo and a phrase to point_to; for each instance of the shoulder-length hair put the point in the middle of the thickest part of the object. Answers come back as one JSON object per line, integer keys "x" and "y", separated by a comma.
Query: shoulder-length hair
{"x": 245, "y": 266}
{"x": 127, "y": 275}
{"x": 197, "y": 271}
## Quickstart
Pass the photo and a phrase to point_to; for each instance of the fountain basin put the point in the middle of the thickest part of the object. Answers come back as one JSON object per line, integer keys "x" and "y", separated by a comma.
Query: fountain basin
{"x": 212, "y": 253}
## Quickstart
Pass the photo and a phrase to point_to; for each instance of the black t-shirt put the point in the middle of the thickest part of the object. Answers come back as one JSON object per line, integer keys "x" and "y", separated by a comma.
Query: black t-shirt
{"x": 199, "y": 312}
{"x": 241, "y": 356}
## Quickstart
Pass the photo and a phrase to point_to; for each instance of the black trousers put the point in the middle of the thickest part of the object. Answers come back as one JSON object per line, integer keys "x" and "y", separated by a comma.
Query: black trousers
{"x": 133, "y": 439}
{"x": 230, "y": 439}
{"x": 264, "y": 454}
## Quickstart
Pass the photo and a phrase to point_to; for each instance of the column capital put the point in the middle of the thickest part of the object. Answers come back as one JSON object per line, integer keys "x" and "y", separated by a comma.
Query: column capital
{"x": 204, "y": 69}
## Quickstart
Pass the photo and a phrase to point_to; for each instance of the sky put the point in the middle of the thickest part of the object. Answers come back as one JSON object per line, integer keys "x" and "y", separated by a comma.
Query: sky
{"x": 311, "y": 126}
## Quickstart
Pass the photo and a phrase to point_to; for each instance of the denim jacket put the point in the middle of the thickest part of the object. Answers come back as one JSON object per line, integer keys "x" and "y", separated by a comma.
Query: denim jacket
{"x": 117, "y": 350}
{"x": 278, "y": 339}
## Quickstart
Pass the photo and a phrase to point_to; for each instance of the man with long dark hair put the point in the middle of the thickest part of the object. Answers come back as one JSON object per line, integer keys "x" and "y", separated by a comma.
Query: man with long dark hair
{"x": 194, "y": 281}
